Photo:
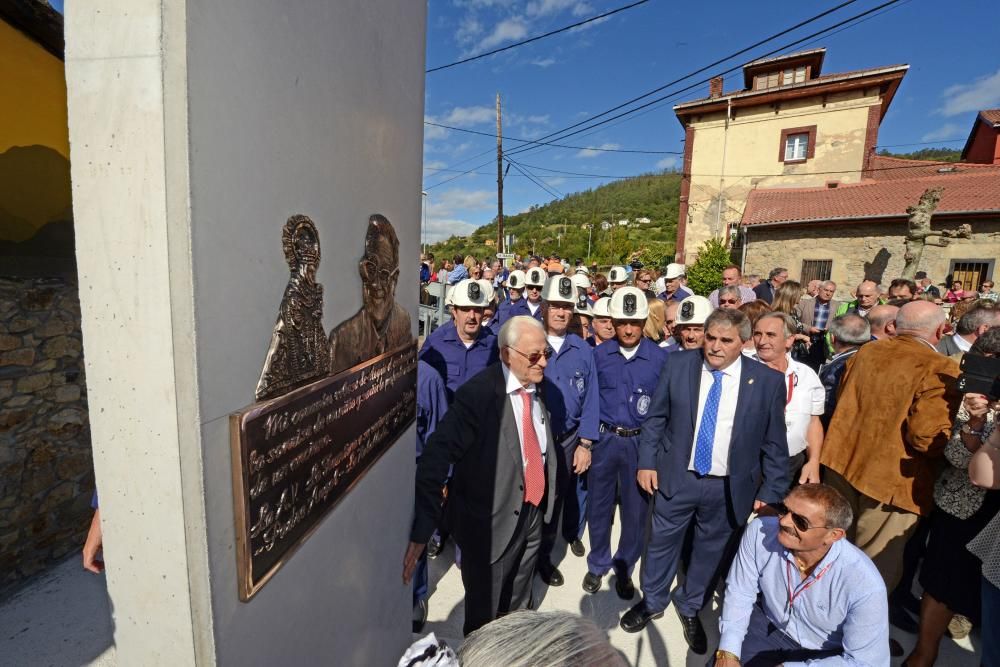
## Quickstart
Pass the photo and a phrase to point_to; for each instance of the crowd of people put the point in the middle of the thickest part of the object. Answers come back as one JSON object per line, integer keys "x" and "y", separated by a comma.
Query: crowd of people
{"x": 814, "y": 453}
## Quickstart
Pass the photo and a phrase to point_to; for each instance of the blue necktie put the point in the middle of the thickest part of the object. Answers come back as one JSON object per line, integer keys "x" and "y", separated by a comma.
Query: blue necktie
{"x": 706, "y": 430}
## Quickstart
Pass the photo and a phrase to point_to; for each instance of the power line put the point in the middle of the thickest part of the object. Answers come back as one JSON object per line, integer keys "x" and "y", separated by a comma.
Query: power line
{"x": 549, "y": 189}
{"x": 562, "y": 134}
{"x": 531, "y": 141}
{"x": 449, "y": 180}
{"x": 535, "y": 39}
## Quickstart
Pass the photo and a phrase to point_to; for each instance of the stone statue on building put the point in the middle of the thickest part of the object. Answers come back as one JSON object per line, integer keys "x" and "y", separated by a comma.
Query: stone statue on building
{"x": 382, "y": 324}
{"x": 298, "y": 352}
{"x": 919, "y": 230}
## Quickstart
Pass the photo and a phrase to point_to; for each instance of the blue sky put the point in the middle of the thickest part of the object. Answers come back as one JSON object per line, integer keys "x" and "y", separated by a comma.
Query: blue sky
{"x": 561, "y": 80}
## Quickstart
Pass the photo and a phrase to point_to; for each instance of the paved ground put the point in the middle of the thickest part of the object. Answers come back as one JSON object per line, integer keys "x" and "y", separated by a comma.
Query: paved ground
{"x": 64, "y": 619}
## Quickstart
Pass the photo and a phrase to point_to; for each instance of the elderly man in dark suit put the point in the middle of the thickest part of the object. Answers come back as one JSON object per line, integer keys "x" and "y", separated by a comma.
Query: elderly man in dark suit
{"x": 496, "y": 434}
{"x": 712, "y": 450}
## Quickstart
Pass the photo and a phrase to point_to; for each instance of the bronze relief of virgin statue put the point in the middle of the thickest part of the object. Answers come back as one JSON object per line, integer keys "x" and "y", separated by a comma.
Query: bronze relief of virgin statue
{"x": 298, "y": 353}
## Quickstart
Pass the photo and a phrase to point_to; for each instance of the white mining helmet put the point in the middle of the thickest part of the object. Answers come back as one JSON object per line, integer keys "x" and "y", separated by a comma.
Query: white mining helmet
{"x": 629, "y": 303}
{"x": 617, "y": 274}
{"x": 535, "y": 277}
{"x": 560, "y": 289}
{"x": 471, "y": 294}
{"x": 693, "y": 310}
{"x": 581, "y": 281}
{"x": 516, "y": 280}
{"x": 600, "y": 308}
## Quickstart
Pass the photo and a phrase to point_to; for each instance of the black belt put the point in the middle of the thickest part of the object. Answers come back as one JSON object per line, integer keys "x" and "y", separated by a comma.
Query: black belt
{"x": 620, "y": 431}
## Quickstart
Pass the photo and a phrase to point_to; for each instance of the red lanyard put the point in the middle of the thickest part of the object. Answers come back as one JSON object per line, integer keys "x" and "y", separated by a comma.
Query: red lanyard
{"x": 793, "y": 380}
{"x": 794, "y": 593}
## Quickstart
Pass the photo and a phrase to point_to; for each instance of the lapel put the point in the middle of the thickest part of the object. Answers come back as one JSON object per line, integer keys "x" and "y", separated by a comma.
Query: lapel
{"x": 694, "y": 381}
{"x": 508, "y": 425}
{"x": 743, "y": 398}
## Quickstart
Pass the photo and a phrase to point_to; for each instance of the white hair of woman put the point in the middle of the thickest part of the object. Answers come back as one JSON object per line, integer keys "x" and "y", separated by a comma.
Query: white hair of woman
{"x": 539, "y": 639}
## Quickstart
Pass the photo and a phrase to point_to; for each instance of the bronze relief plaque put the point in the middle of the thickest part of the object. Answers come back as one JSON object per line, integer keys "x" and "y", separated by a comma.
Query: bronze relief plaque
{"x": 328, "y": 408}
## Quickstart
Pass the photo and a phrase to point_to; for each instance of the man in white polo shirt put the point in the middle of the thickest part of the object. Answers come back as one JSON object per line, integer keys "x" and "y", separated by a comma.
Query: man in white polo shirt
{"x": 805, "y": 397}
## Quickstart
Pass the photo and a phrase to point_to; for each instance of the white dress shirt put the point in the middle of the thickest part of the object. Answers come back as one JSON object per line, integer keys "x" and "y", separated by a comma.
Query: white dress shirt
{"x": 726, "y": 417}
{"x": 537, "y": 414}
{"x": 962, "y": 344}
{"x": 805, "y": 397}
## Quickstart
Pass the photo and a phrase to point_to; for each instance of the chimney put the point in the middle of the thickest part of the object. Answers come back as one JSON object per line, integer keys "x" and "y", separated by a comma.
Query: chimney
{"x": 715, "y": 87}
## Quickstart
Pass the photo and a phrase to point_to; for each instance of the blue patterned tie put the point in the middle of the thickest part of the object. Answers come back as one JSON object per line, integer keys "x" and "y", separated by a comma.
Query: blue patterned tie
{"x": 706, "y": 430}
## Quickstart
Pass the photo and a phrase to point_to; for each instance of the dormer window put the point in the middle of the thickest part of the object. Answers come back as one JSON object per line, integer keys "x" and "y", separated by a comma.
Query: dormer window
{"x": 780, "y": 78}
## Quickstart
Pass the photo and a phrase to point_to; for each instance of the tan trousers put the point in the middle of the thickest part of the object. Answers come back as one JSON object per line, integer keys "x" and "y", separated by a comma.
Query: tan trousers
{"x": 880, "y": 530}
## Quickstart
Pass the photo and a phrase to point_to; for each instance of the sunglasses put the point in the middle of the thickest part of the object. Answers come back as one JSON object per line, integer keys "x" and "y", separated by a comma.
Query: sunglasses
{"x": 534, "y": 357}
{"x": 732, "y": 301}
{"x": 801, "y": 523}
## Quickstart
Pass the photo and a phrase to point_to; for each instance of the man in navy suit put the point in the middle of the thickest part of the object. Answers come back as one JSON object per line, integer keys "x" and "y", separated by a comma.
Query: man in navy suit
{"x": 712, "y": 450}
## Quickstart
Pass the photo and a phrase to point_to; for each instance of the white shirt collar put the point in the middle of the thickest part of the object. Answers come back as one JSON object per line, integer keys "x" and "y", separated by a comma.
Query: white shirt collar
{"x": 732, "y": 369}
{"x": 962, "y": 344}
{"x": 513, "y": 385}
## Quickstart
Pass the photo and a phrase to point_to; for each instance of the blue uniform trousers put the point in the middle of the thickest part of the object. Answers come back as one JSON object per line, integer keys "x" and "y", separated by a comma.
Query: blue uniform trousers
{"x": 568, "y": 510}
{"x": 614, "y": 463}
{"x": 703, "y": 500}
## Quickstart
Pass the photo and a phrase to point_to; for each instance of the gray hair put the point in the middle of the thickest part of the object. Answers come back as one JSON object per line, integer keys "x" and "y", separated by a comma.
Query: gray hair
{"x": 789, "y": 323}
{"x": 514, "y": 328}
{"x": 829, "y": 283}
{"x": 776, "y": 271}
{"x": 539, "y": 639}
{"x": 730, "y": 318}
{"x": 731, "y": 289}
{"x": 838, "y": 511}
{"x": 977, "y": 317}
{"x": 851, "y": 329}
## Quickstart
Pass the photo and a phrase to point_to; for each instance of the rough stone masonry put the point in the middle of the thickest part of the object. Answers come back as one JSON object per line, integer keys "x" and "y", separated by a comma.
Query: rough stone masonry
{"x": 46, "y": 470}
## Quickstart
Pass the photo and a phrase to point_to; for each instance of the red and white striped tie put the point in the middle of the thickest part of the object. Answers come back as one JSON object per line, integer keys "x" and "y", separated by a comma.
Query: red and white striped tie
{"x": 534, "y": 469}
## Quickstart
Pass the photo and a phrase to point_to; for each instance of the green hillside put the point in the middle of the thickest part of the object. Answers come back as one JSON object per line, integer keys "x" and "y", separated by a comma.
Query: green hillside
{"x": 560, "y": 226}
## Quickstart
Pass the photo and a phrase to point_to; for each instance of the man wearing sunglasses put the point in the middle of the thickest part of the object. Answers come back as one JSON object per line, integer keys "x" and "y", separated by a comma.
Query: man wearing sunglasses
{"x": 514, "y": 304}
{"x": 712, "y": 450}
{"x": 382, "y": 325}
{"x": 534, "y": 282}
{"x": 573, "y": 402}
{"x": 798, "y": 591}
{"x": 497, "y": 436}
{"x": 628, "y": 369}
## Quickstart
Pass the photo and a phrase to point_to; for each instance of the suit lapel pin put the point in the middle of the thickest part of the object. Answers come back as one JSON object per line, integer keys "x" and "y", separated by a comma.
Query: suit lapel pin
{"x": 750, "y": 381}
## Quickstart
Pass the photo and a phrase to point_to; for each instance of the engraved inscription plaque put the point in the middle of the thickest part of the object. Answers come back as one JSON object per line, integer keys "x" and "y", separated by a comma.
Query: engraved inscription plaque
{"x": 296, "y": 456}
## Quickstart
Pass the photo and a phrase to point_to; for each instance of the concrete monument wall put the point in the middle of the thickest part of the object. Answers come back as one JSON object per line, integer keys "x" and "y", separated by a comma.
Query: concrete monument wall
{"x": 197, "y": 129}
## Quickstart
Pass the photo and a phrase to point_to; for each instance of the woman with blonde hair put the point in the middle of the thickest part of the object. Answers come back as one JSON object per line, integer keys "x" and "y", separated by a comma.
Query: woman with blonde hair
{"x": 786, "y": 300}
{"x": 655, "y": 321}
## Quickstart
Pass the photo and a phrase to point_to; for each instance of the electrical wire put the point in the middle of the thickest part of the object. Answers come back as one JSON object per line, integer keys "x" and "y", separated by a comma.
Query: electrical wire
{"x": 532, "y": 141}
{"x": 535, "y": 39}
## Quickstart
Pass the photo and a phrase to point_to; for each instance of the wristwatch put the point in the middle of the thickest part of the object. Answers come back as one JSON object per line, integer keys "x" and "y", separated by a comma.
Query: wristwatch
{"x": 586, "y": 444}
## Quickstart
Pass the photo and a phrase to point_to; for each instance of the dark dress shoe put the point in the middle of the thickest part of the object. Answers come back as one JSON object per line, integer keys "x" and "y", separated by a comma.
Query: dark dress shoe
{"x": 419, "y": 616}
{"x": 591, "y": 582}
{"x": 901, "y": 618}
{"x": 624, "y": 587}
{"x": 551, "y": 575}
{"x": 636, "y": 618}
{"x": 694, "y": 633}
{"x": 434, "y": 548}
{"x": 576, "y": 546}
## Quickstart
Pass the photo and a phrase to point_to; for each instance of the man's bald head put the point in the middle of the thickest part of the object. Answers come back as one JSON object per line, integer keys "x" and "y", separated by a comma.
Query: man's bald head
{"x": 922, "y": 319}
{"x": 883, "y": 321}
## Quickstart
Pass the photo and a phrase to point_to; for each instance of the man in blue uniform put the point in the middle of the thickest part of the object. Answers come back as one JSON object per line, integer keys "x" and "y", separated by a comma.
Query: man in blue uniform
{"x": 431, "y": 405}
{"x": 461, "y": 348}
{"x": 514, "y": 304}
{"x": 534, "y": 282}
{"x": 628, "y": 369}
{"x": 573, "y": 405}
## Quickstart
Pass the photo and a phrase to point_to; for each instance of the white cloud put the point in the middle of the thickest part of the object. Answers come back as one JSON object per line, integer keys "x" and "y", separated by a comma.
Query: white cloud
{"x": 667, "y": 163}
{"x": 508, "y": 30}
{"x": 546, "y": 7}
{"x": 435, "y": 164}
{"x": 544, "y": 62}
{"x": 946, "y": 131}
{"x": 439, "y": 229}
{"x": 983, "y": 93}
{"x": 432, "y": 132}
{"x": 587, "y": 152}
{"x": 469, "y": 29}
{"x": 450, "y": 202}
{"x": 470, "y": 116}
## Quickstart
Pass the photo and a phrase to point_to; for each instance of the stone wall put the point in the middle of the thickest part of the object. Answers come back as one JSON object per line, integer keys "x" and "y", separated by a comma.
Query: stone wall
{"x": 864, "y": 250}
{"x": 46, "y": 473}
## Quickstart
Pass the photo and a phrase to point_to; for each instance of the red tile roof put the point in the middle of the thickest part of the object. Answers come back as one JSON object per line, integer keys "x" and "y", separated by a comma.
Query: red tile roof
{"x": 968, "y": 190}
{"x": 990, "y": 116}
{"x": 886, "y": 168}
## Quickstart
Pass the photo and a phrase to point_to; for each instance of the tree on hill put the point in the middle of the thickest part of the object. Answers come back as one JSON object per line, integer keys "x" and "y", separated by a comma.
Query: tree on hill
{"x": 930, "y": 154}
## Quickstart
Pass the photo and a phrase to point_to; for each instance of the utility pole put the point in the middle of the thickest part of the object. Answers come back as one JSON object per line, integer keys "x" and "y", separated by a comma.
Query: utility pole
{"x": 500, "y": 237}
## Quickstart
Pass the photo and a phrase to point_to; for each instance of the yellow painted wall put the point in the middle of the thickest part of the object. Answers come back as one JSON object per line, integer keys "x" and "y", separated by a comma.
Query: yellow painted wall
{"x": 34, "y": 137}
{"x": 745, "y": 156}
